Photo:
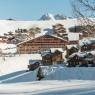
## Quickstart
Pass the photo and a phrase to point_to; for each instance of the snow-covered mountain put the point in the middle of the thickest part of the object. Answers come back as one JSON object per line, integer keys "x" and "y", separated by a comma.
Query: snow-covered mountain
{"x": 52, "y": 17}
{"x": 47, "y": 17}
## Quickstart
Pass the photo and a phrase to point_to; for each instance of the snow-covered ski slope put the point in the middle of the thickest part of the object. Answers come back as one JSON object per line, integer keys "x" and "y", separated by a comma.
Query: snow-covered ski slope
{"x": 11, "y": 25}
{"x": 20, "y": 77}
{"x": 55, "y": 87}
{"x": 14, "y": 79}
{"x": 14, "y": 63}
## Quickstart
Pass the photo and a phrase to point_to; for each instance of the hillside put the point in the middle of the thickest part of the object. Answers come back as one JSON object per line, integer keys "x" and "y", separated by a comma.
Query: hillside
{"x": 12, "y": 25}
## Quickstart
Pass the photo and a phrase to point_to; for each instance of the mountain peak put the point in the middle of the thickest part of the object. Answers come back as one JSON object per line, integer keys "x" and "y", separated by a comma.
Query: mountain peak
{"x": 49, "y": 16}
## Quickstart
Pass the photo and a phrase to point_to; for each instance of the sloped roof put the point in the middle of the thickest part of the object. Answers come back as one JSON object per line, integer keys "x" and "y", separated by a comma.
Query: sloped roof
{"x": 43, "y": 36}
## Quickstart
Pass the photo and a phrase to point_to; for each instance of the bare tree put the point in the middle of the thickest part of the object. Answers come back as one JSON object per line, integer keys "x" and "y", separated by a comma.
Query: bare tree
{"x": 33, "y": 31}
{"x": 84, "y": 10}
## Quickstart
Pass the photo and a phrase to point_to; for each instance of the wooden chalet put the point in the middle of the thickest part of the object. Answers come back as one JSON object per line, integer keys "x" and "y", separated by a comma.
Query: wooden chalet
{"x": 57, "y": 57}
{"x": 85, "y": 47}
{"x": 81, "y": 60}
{"x": 40, "y": 44}
{"x": 71, "y": 49}
{"x": 75, "y": 60}
{"x": 52, "y": 58}
{"x": 88, "y": 46}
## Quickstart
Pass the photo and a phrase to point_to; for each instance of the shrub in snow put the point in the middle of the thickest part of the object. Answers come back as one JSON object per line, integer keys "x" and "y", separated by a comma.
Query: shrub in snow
{"x": 40, "y": 74}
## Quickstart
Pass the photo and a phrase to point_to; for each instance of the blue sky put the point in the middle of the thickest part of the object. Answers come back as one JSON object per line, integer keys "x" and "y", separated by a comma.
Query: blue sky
{"x": 33, "y": 9}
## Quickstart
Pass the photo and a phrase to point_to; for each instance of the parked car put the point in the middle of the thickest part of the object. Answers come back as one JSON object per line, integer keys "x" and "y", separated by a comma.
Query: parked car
{"x": 33, "y": 64}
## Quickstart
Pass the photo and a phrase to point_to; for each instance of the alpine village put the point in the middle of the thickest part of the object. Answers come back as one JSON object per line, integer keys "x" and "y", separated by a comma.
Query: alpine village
{"x": 63, "y": 42}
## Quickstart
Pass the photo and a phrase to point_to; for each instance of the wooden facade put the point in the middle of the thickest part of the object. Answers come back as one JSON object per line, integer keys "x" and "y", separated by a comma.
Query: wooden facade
{"x": 76, "y": 60}
{"x": 84, "y": 60}
{"x": 40, "y": 43}
{"x": 88, "y": 47}
{"x": 52, "y": 58}
{"x": 71, "y": 51}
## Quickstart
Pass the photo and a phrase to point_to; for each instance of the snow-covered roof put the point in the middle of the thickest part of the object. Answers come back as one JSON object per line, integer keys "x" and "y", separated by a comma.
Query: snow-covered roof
{"x": 80, "y": 54}
{"x": 70, "y": 46}
{"x": 41, "y": 36}
{"x": 45, "y": 53}
{"x": 87, "y": 41}
{"x": 92, "y": 52}
{"x": 54, "y": 49}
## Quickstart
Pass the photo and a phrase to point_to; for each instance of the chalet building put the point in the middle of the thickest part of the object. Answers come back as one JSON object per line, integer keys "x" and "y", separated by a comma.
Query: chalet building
{"x": 52, "y": 58}
{"x": 57, "y": 57}
{"x": 71, "y": 49}
{"x": 76, "y": 59}
{"x": 88, "y": 46}
{"x": 85, "y": 48}
{"x": 59, "y": 28}
{"x": 47, "y": 59}
{"x": 81, "y": 59}
{"x": 40, "y": 44}
{"x": 89, "y": 58}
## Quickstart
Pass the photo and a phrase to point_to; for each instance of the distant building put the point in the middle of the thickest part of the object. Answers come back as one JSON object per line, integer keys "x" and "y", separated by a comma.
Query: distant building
{"x": 59, "y": 30}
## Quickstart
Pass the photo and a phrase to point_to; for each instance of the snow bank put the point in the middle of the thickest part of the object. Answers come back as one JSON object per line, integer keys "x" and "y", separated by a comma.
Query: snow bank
{"x": 64, "y": 73}
{"x": 14, "y": 63}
